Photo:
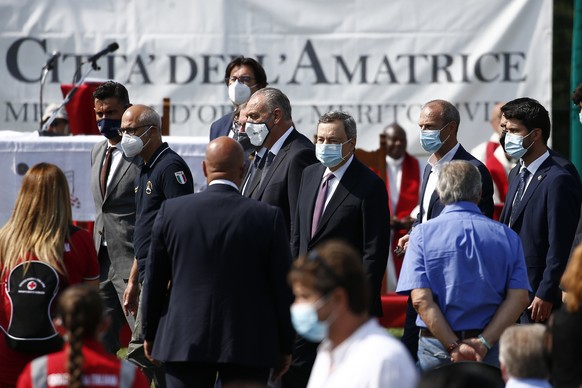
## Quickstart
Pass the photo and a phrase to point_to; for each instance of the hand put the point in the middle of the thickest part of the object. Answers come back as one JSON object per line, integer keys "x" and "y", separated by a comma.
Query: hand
{"x": 540, "y": 309}
{"x": 402, "y": 245}
{"x": 147, "y": 348}
{"x": 464, "y": 352}
{"x": 131, "y": 299}
{"x": 480, "y": 349}
{"x": 282, "y": 367}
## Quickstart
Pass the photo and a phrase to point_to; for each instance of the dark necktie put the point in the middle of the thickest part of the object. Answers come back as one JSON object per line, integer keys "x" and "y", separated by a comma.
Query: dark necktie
{"x": 254, "y": 174}
{"x": 320, "y": 203}
{"x": 105, "y": 170}
{"x": 523, "y": 174}
{"x": 267, "y": 165}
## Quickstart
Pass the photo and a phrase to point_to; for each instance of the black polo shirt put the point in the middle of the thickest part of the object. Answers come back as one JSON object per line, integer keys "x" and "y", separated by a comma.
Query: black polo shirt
{"x": 165, "y": 176}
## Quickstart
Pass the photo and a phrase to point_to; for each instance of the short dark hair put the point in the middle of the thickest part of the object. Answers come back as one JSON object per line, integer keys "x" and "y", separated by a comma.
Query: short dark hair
{"x": 334, "y": 264}
{"x": 530, "y": 113}
{"x": 577, "y": 95}
{"x": 258, "y": 71}
{"x": 112, "y": 89}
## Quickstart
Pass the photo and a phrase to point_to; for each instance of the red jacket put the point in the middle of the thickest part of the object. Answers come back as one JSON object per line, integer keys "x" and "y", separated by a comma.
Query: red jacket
{"x": 100, "y": 369}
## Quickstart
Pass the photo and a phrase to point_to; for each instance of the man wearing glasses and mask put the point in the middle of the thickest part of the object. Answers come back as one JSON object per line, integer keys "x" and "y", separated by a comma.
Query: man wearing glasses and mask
{"x": 163, "y": 174}
{"x": 243, "y": 77}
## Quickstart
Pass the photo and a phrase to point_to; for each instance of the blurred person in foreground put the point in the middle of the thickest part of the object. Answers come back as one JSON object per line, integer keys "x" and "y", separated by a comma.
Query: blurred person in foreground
{"x": 523, "y": 357}
{"x": 41, "y": 228}
{"x": 564, "y": 326}
{"x": 331, "y": 305}
{"x": 84, "y": 361}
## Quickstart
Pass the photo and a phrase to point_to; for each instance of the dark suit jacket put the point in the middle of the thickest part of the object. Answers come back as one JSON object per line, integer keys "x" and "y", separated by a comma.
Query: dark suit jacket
{"x": 227, "y": 262}
{"x": 436, "y": 206}
{"x": 221, "y": 127}
{"x": 546, "y": 221}
{"x": 357, "y": 213}
{"x": 115, "y": 214}
{"x": 281, "y": 182}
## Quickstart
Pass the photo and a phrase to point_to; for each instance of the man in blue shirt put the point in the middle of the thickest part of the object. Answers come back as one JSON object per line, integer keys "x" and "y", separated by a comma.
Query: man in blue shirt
{"x": 163, "y": 174}
{"x": 465, "y": 274}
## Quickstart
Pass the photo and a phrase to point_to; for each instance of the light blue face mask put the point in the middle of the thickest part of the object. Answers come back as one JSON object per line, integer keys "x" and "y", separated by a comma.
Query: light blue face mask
{"x": 330, "y": 155}
{"x": 580, "y": 117}
{"x": 514, "y": 145}
{"x": 306, "y": 322}
{"x": 430, "y": 139}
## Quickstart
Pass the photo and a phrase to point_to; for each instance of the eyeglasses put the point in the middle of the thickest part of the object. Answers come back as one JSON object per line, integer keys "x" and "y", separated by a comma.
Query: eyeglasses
{"x": 132, "y": 131}
{"x": 243, "y": 80}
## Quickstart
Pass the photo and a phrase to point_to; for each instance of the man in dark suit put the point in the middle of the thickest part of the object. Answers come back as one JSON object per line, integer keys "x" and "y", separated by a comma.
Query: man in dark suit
{"x": 243, "y": 77}
{"x": 439, "y": 124}
{"x": 275, "y": 175}
{"x": 352, "y": 206}
{"x": 227, "y": 309}
{"x": 112, "y": 185}
{"x": 543, "y": 204}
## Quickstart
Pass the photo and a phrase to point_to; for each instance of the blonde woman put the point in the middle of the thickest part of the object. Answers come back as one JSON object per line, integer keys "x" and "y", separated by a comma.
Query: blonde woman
{"x": 40, "y": 229}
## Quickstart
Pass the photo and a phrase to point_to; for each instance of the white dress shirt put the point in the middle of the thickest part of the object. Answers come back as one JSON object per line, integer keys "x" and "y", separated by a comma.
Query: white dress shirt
{"x": 433, "y": 177}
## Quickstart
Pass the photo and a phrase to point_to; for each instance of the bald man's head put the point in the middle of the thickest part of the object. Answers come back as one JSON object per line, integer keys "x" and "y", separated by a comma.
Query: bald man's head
{"x": 224, "y": 160}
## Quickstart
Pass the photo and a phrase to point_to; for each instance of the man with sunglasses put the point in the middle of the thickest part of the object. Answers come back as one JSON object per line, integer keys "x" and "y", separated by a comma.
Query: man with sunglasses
{"x": 163, "y": 174}
{"x": 243, "y": 77}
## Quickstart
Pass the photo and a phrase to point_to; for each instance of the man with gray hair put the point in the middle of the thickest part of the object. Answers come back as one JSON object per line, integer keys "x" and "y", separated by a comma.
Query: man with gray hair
{"x": 465, "y": 274}
{"x": 283, "y": 152}
{"x": 523, "y": 356}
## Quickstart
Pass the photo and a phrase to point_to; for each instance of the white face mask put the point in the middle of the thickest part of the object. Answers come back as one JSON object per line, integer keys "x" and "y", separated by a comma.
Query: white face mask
{"x": 132, "y": 145}
{"x": 257, "y": 133}
{"x": 580, "y": 117}
{"x": 238, "y": 93}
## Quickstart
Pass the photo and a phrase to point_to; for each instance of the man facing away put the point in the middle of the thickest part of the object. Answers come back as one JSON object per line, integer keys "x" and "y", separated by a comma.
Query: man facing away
{"x": 465, "y": 274}
{"x": 227, "y": 311}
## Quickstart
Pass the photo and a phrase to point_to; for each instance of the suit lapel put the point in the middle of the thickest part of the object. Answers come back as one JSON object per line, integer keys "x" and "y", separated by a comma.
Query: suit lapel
{"x": 340, "y": 194}
{"x": 425, "y": 176}
{"x": 535, "y": 181}
{"x": 275, "y": 165}
{"x": 513, "y": 182}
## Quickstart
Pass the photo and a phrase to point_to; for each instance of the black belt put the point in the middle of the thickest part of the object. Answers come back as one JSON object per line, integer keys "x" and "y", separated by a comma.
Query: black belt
{"x": 462, "y": 334}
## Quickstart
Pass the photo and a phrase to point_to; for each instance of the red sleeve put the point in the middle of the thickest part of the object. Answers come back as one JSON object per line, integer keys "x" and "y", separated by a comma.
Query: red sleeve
{"x": 25, "y": 381}
{"x": 81, "y": 258}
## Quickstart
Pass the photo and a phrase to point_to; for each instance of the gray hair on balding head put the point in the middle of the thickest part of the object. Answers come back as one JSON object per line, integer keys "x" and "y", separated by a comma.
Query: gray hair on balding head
{"x": 459, "y": 181}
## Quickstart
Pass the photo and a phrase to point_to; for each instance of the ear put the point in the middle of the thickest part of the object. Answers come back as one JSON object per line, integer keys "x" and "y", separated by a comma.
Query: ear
{"x": 204, "y": 169}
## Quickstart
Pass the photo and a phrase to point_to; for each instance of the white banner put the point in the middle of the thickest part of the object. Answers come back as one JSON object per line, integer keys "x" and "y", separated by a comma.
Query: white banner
{"x": 19, "y": 152}
{"x": 378, "y": 60}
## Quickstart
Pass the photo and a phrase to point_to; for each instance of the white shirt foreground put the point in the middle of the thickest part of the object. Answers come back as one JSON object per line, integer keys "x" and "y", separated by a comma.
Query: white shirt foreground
{"x": 369, "y": 358}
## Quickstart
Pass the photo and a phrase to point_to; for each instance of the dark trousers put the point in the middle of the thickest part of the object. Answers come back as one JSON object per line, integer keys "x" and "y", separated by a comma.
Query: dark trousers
{"x": 202, "y": 375}
{"x": 303, "y": 357}
{"x": 411, "y": 331}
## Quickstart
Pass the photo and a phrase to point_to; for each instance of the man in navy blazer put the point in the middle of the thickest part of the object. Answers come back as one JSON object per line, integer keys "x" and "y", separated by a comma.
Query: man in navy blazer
{"x": 355, "y": 211}
{"x": 243, "y": 76}
{"x": 439, "y": 125}
{"x": 269, "y": 124}
{"x": 216, "y": 298}
{"x": 542, "y": 206}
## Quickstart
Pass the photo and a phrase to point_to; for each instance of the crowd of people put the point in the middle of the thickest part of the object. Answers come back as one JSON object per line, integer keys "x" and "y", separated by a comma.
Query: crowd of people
{"x": 272, "y": 276}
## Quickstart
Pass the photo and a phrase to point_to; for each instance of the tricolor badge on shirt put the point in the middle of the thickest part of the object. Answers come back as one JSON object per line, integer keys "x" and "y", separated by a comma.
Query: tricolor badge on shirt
{"x": 181, "y": 177}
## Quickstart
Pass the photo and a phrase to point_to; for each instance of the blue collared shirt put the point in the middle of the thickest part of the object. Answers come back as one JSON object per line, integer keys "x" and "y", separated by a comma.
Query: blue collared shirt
{"x": 468, "y": 261}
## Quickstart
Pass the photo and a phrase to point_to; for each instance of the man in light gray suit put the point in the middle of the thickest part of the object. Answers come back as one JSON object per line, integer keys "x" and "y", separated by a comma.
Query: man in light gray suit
{"x": 113, "y": 188}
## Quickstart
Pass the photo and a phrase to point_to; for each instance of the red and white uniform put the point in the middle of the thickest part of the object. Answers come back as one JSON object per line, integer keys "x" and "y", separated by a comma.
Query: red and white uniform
{"x": 81, "y": 264}
{"x": 100, "y": 370}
